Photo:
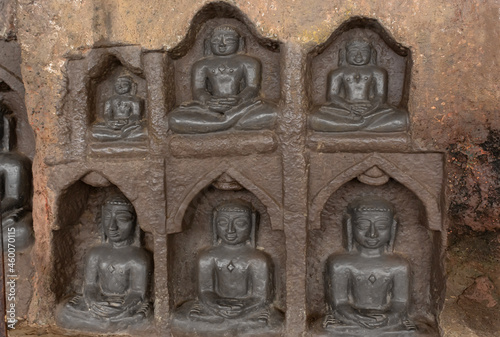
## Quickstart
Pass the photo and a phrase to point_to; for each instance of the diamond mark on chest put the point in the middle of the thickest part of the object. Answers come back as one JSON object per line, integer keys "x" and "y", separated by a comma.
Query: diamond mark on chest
{"x": 230, "y": 266}
{"x": 372, "y": 279}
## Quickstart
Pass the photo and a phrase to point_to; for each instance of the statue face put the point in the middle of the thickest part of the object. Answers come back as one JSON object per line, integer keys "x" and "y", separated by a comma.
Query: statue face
{"x": 233, "y": 227}
{"x": 224, "y": 42}
{"x": 358, "y": 54}
{"x": 118, "y": 222}
{"x": 372, "y": 229}
{"x": 122, "y": 86}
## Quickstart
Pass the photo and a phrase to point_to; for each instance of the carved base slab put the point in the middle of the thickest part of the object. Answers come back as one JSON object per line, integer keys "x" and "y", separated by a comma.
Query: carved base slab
{"x": 118, "y": 148}
{"x": 359, "y": 141}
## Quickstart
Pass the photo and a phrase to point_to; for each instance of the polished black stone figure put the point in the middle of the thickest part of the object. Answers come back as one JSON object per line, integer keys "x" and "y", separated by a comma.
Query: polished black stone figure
{"x": 122, "y": 115}
{"x": 357, "y": 95}
{"x": 235, "y": 280}
{"x": 116, "y": 276}
{"x": 15, "y": 187}
{"x": 368, "y": 288}
{"x": 225, "y": 87}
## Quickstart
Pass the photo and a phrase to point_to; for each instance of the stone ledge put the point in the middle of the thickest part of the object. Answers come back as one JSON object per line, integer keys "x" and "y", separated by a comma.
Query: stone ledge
{"x": 222, "y": 144}
{"x": 358, "y": 141}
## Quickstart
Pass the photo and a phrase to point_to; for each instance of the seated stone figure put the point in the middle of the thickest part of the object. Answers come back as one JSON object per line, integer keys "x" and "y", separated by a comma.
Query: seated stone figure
{"x": 357, "y": 95}
{"x": 15, "y": 187}
{"x": 368, "y": 288}
{"x": 225, "y": 87}
{"x": 122, "y": 115}
{"x": 116, "y": 276}
{"x": 235, "y": 288}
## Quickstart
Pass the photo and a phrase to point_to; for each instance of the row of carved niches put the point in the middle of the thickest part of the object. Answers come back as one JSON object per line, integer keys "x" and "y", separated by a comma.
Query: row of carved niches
{"x": 224, "y": 78}
{"x": 103, "y": 277}
{"x": 365, "y": 93}
{"x": 227, "y": 267}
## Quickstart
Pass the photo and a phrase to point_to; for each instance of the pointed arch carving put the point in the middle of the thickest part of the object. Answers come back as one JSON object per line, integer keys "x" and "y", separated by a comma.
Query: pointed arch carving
{"x": 274, "y": 209}
{"x": 429, "y": 200}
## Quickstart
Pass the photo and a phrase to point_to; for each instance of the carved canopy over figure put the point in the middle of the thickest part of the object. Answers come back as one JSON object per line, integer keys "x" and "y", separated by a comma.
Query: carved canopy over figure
{"x": 368, "y": 288}
{"x": 122, "y": 115}
{"x": 235, "y": 288}
{"x": 15, "y": 186}
{"x": 357, "y": 95}
{"x": 225, "y": 87}
{"x": 116, "y": 276}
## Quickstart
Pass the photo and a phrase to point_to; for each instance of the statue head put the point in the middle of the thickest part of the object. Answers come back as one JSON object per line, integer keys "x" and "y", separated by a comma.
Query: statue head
{"x": 123, "y": 85}
{"x": 118, "y": 220}
{"x": 225, "y": 40}
{"x": 358, "y": 53}
{"x": 371, "y": 223}
{"x": 234, "y": 222}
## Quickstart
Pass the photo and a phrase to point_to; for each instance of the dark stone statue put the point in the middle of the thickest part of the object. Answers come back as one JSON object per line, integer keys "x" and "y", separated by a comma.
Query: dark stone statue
{"x": 357, "y": 95}
{"x": 15, "y": 187}
{"x": 368, "y": 288}
{"x": 122, "y": 115}
{"x": 225, "y": 87}
{"x": 235, "y": 280}
{"x": 116, "y": 276}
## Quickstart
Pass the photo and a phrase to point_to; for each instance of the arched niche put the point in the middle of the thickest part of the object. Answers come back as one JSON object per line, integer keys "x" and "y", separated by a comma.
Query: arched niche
{"x": 421, "y": 246}
{"x": 196, "y": 233}
{"x": 391, "y": 55}
{"x": 177, "y": 211}
{"x": 415, "y": 180}
{"x": 191, "y": 49}
{"x": 12, "y": 96}
{"x": 78, "y": 228}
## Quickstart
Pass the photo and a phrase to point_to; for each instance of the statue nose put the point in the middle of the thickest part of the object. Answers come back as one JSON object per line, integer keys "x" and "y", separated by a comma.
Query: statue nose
{"x": 222, "y": 41}
{"x": 230, "y": 228}
{"x": 113, "y": 224}
{"x": 372, "y": 233}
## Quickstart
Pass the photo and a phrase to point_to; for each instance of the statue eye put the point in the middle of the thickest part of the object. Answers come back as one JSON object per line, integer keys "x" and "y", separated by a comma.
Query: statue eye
{"x": 222, "y": 222}
{"x": 363, "y": 224}
{"x": 241, "y": 223}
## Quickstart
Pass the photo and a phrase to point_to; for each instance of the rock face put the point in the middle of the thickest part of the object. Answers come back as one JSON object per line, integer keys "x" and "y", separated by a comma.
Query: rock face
{"x": 443, "y": 174}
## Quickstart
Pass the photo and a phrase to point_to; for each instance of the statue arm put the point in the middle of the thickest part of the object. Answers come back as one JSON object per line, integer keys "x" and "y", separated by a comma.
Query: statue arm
{"x": 139, "y": 277}
{"x": 262, "y": 285}
{"x": 108, "y": 111}
{"x": 334, "y": 85}
{"x": 91, "y": 293}
{"x": 380, "y": 87}
{"x": 198, "y": 80}
{"x": 137, "y": 106}
{"x": 206, "y": 291}
{"x": 252, "y": 72}
{"x": 400, "y": 295}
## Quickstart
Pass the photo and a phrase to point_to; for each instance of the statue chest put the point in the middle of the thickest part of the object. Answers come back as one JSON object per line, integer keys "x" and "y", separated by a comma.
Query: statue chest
{"x": 122, "y": 108}
{"x": 371, "y": 287}
{"x": 232, "y": 277}
{"x": 114, "y": 276}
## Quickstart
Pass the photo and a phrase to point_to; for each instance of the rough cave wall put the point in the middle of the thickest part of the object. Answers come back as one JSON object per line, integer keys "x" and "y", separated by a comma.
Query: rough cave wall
{"x": 453, "y": 103}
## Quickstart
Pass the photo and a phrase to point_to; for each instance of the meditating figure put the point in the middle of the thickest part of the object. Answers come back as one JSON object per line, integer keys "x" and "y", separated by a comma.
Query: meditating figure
{"x": 357, "y": 95}
{"x": 235, "y": 280}
{"x": 15, "y": 187}
{"x": 225, "y": 87}
{"x": 122, "y": 115}
{"x": 368, "y": 288}
{"x": 116, "y": 276}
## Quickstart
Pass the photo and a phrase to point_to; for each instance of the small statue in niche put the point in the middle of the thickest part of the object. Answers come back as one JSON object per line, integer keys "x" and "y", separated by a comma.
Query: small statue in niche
{"x": 235, "y": 280}
{"x": 122, "y": 114}
{"x": 357, "y": 95}
{"x": 225, "y": 87}
{"x": 368, "y": 288}
{"x": 116, "y": 276}
{"x": 15, "y": 187}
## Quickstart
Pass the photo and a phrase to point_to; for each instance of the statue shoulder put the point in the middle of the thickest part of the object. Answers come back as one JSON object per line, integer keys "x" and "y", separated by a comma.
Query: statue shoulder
{"x": 397, "y": 261}
{"x": 260, "y": 257}
{"x": 202, "y": 63}
{"x": 340, "y": 261}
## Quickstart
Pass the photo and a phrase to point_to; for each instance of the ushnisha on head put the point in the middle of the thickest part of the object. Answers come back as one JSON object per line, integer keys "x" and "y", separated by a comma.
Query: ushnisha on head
{"x": 371, "y": 223}
{"x": 234, "y": 223}
{"x": 225, "y": 40}
{"x": 119, "y": 220}
{"x": 359, "y": 53}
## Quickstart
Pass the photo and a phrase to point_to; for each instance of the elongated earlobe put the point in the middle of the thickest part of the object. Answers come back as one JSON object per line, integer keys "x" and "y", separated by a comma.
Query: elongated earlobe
{"x": 350, "y": 243}
{"x": 215, "y": 240}
{"x": 390, "y": 245}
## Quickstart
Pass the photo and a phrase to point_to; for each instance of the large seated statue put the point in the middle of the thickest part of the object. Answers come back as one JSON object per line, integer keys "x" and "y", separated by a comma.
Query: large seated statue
{"x": 368, "y": 288}
{"x": 225, "y": 87}
{"x": 357, "y": 95}
{"x": 116, "y": 276}
{"x": 235, "y": 280}
{"x": 15, "y": 187}
{"x": 122, "y": 115}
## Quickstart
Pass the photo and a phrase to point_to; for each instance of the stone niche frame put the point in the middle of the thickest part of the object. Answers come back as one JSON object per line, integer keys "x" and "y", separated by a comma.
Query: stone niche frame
{"x": 415, "y": 178}
{"x": 391, "y": 55}
{"x": 90, "y": 79}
